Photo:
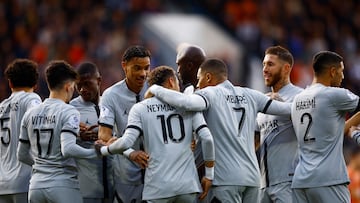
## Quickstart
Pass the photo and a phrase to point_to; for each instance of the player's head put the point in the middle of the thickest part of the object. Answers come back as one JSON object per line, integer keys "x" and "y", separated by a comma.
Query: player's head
{"x": 329, "y": 65}
{"x": 188, "y": 59}
{"x": 61, "y": 78}
{"x": 89, "y": 82}
{"x": 211, "y": 72}
{"x": 136, "y": 65}
{"x": 22, "y": 73}
{"x": 164, "y": 76}
{"x": 277, "y": 65}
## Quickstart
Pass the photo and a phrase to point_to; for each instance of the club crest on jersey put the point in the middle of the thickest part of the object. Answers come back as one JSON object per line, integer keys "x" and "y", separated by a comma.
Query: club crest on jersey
{"x": 74, "y": 121}
{"x": 104, "y": 112}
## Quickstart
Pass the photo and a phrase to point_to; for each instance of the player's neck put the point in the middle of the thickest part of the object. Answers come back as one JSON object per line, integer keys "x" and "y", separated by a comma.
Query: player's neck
{"x": 19, "y": 89}
{"x": 58, "y": 95}
{"x": 323, "y": 81}
{"x": 279, "y": 85}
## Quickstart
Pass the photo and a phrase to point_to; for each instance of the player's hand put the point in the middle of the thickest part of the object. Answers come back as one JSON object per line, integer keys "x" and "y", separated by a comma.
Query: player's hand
{"x": 88, "y": 135}
{"x": 274, "y": 96}
{"x": 206, "y": 185}
{"x": 140, "y": 157}
{"x": 98, "y": 144}
{"x": 111, "y": 140}
{"x": 148, "y": 94}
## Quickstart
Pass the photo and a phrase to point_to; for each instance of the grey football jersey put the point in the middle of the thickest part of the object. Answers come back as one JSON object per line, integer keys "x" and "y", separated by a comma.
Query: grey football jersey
{"x": 318, "y": 116}
{"x": 14, "y": 175}
{"x": 90, "y": 170}
{"x": 231, "y": 115}
{"x": 278, "y": 149}
{"x": 167, "y": 134}
{"x": 42, "y": 126}
{"x": 115, "y": 105}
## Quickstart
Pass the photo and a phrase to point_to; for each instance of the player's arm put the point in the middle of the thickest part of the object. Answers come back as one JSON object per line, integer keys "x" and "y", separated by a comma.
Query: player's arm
{"x": 353, "y": 121}
{"x": 207, "y": 145}
{"x": 191, "y": 102}
{"x": 23, "y": 150}
{"x": 105, "y": 132}
{"x": 69, "y": 148}
{"x": 123, "y": 143}
{"x": 277, "y": 108}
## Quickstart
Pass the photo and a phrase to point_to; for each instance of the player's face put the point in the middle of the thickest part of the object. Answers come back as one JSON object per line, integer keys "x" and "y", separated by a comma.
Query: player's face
{"x": 89, "y": 87}
{"x": 70, "y": 88}
{"x": 176, "y": 85}
{"x": 136, "y": 70}
{"x": 272, "y": 70}
{"x": 339, "y": 76}
{"x": 182, "y": 69}
{"x": 202, "y": 82}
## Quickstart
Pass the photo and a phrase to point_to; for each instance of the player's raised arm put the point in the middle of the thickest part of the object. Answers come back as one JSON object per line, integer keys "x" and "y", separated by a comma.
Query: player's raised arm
{"x": 191, "y": 102}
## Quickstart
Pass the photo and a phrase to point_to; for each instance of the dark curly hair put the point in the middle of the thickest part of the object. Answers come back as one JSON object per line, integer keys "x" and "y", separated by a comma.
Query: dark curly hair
{"x": 22, "y": 73}
{"x": 160, "y": 74}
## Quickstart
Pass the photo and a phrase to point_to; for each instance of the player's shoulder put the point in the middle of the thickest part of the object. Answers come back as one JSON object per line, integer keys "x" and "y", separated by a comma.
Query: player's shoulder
{"x": 76, "y": 101}
{"x": 114, "y": 88}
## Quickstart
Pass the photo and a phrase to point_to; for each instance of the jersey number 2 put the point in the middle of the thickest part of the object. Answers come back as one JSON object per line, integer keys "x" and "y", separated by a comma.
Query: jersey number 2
{"x": 169, "y": 127}
{"x": 306, "y": 136}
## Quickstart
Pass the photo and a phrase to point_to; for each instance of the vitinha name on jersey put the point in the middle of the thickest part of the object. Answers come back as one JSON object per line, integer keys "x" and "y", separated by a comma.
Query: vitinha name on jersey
{"x": 236, "y": 99}
{"x": 43, "y": 119}
{"x": 159, "y": 107}
{"x": 305, "y": 104}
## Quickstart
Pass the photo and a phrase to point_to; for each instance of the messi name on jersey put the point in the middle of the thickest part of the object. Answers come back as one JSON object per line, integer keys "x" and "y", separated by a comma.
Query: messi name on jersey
{"x": 305, "y": 104}
{"x": 159, "y": 107}
{"x": 43, "y": 119}
{"x": 236, "y": 99}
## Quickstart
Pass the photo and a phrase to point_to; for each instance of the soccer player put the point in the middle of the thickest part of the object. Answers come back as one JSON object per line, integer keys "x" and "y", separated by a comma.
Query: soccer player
{"x": 115, "y": 105}
{"x": 22, "y": 75}
{"x": 188, "y": 60}
{"x": 171, "y": 174}
{"x": 318, "y": 115}
{"x": 230, "y": 113}
{"x": 48, "y": 140}
{"x": 278, "y": 149}
{"x": 93, "y": 176}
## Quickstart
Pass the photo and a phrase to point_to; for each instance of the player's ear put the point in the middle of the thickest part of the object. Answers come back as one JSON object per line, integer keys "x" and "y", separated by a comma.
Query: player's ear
{"x": 333, "y": 71}
{"x": 208, "y": 77}
{"x": 123, "y": 65}
{"x": 10, "y": 84}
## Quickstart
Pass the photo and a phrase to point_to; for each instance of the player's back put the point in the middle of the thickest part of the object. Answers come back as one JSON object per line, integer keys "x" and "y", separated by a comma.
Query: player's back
{"x": 318, "y": 116}
{"x": 44, "y": 125}
{"x": 167, "y": 138}
{"x": 14, "y": 175}
{"x": 231, "y": 120}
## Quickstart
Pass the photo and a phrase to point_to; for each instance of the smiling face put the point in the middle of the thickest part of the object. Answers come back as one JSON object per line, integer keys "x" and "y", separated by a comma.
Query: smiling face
{"x": 273, "y": 70}
{"x": 136, "y": 70}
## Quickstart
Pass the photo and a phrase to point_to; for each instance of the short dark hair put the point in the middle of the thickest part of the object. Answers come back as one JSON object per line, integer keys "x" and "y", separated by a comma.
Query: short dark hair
{"x": 282, "y": 54}
{"x": 324, "y": 60}
{"x": 160, "y": 74}
{"x": 58, "y": 72}
{"x": 22, "y": 73}
{"x": 216, "y": 66}
{"x": 135, "y": 51}
{"x": 88, "y": 69}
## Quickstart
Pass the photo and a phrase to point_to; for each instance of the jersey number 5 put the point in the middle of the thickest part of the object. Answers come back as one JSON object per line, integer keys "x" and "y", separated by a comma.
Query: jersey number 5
{"x": 5, "y": 132}
{"x": 170, "y": 129}
{"x": 306, "y": 136}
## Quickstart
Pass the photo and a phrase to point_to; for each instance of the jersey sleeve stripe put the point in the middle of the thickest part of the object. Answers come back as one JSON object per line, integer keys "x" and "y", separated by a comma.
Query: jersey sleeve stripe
{"x": 206, "y": 104}
{"x": 137, "y": 128}
{"x": 266, "y": 106}
{"x": 69, "y": 131}
{"x": 199, "y": 128}
{"x": 24, "y": 141}
{"x": 106, "y": 125}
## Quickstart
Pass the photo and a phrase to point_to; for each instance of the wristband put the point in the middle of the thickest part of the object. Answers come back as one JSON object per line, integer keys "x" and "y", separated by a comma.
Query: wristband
{"x": 105, "y": 151}
{"x": 128, "y": 152}
{"x": 209, "y": 173}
